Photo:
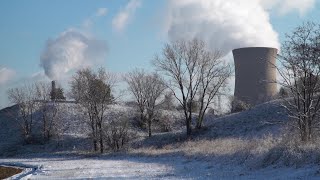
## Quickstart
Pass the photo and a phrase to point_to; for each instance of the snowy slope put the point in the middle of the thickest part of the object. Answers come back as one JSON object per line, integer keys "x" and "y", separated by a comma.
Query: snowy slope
{"x": 261, "y": 120}
{"x": 9, "y": 132}
{"x": 245, "y": 145}
{"x": 267, "y": 119}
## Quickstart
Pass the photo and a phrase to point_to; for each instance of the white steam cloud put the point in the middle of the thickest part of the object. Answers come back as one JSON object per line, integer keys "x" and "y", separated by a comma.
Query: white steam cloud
{"x": 6, "y": 74}
{"x": 71, "y": 50}
{"x": 228, "y": 24}
{"x": 222, "y": 24}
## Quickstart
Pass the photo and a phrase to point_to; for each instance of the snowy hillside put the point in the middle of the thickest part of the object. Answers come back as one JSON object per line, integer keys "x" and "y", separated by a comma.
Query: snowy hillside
{"x": 72, "y": 125}
{"x": 264, "y": 119}
{"x": 9, "y": 132}
{"x": 251, "y": 144}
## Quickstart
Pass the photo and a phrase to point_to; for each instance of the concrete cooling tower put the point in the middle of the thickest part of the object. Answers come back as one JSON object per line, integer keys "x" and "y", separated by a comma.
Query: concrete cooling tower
{"x": 255, "y": 75}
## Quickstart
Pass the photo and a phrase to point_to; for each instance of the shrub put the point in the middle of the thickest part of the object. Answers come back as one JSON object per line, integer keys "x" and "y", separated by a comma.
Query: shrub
{"x": 238, "y": 105}
{"x": 117, "y": 133}
{"x": 163, "y": 122}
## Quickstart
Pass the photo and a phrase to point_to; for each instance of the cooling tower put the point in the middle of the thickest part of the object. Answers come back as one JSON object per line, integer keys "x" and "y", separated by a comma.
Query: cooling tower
{"x": 255, "y": 75}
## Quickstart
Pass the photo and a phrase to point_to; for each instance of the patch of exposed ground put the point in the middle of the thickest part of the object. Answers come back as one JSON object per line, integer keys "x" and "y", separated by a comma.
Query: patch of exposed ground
{"x": 6, "y": 172}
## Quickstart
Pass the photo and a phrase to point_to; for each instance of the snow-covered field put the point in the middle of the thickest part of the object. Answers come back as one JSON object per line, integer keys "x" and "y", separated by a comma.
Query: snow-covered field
{"x": 163, "y": 167}
{"x": 245, "y": 145}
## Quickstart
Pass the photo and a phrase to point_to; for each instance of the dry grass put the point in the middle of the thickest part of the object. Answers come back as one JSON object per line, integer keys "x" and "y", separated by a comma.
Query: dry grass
{"x": 256, "y": 153}
{"x": 215, "y": 147}
{"x": 6, "y": 172}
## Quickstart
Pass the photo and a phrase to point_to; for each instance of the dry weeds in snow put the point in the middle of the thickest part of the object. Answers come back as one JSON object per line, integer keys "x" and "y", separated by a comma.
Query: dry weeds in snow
{"x": 255, "y": 153}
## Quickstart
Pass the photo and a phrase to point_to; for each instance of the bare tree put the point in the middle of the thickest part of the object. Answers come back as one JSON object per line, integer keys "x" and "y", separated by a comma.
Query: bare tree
{"x": 136, "y": 82}
{"x": 48, "y": 108}
{"x": 80, "y": 92}
{"x": 192, "y": 70}
{"x": 153, "y": 90}
{"x": 300, "y": 70}
{"x": 93, "y": 92}
{"x": 43, "y": 96}
{"x": 179, "y": 62}
{"x": 147, "y": 89}
{"x": 25, "y": 98}
{"x": 213, "y": 78}
{"x": 58, "y": 123}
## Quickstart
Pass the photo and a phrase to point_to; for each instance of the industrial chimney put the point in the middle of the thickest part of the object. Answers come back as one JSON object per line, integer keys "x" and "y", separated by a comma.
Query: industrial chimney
{"x": 53, "y": 90}
{"x": 255, "y": 74}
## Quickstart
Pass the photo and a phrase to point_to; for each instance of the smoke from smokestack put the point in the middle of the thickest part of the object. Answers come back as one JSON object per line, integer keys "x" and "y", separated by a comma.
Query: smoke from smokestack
{"x": 71, "y": 50}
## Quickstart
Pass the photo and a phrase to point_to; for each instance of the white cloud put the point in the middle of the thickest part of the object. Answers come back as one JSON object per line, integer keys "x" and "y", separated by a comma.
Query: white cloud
{"x": 222, "y": 24}
{"x": 70, "y": 51}
{"x": 101, "y": 12}
{"x": 122, "y": 19}
{"x": 6, "y": 74}
{"x": 87, "y": 23}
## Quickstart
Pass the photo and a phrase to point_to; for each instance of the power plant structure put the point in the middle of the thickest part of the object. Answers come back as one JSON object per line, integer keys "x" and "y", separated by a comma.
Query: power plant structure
{"x": 255, "y": 74}
{"x": 53, "y": 90}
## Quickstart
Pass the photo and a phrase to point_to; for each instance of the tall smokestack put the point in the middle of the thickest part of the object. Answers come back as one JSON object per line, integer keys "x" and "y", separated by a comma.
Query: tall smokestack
{"x": 255, "y": 74}
{"x": 53, "y": 90}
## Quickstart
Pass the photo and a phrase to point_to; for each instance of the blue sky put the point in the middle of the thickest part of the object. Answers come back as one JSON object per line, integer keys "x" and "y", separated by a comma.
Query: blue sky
{"x": 132, "y": 30}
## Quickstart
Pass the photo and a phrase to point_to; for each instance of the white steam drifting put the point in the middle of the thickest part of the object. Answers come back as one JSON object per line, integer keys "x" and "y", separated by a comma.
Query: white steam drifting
{"x": 71, "y": 50}
{"x": 228, "y": 24}
{"x": 222, "y": 24}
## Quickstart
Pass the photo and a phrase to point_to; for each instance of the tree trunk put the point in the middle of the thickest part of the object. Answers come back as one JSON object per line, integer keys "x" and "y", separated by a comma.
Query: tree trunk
{"x": 44, "y": 128}
{"x": 305, "y": 130}
{"x": 199, "y": 122}
{"x": 189, "y": 130}
{"x": 95, "y": 146}
{"x": 94, "y": 137}
{"x": 149, "y": 127}
{"x": 101, "y": 138}
{"x": 200, "y": 116}
{"x": 142, "y": 120}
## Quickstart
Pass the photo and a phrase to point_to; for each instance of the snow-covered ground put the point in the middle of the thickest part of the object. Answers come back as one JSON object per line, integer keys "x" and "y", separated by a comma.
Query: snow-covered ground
{"x": 161, "y": 167}
{"x": 245, "y": 145}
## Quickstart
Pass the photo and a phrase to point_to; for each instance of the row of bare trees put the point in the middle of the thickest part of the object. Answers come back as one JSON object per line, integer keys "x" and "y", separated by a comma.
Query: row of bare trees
{"x": 91, "y": 91}
{"x": 193, "y": 74}
{"x": 25, "y": 99}
{"x": 32, "y": 101}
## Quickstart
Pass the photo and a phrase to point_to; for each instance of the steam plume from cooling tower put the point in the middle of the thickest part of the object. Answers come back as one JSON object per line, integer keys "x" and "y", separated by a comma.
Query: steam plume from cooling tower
{"x": 222, "y": 24}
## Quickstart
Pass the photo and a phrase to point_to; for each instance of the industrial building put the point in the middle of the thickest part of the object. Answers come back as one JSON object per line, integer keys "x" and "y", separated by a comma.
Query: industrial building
{"x": 255, "y": 74}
